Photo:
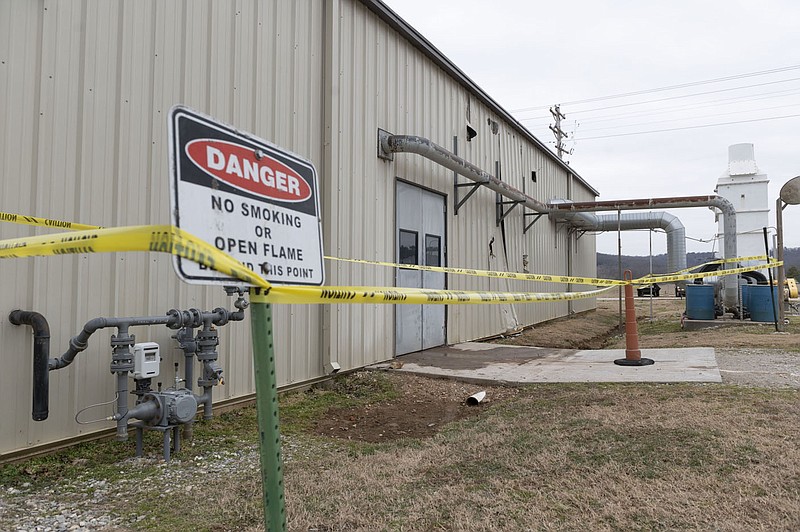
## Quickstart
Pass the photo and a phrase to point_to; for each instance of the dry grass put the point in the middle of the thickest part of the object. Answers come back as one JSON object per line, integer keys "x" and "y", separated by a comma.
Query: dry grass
{"x": 582, "y": 457}
{"x": 548, "y": 457}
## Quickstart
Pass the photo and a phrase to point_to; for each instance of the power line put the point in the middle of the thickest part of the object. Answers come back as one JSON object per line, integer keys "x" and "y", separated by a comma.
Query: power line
{"x": 687, "y": 95}
{"x": 689, "y": 127}
{"x": 692, "y": 117}
{"x": 667, "y": 88}
{"x": 673, "y": 108}
{"x": 693, "y": 106}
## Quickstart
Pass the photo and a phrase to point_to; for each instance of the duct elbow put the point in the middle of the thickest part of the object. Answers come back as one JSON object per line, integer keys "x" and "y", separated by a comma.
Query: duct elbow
{"x": 725, "y": 206}
{"x": 670, "y": 224}
{"x": 41, "y": 329}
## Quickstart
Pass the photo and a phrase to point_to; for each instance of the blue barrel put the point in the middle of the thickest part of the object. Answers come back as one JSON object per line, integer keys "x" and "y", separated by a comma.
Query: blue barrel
{"x": 700, "y": 301}
{"x": 759, "y": 303}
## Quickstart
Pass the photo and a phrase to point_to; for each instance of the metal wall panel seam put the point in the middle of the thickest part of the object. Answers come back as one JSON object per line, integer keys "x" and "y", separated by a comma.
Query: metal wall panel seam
{"x": 330, "y": 168}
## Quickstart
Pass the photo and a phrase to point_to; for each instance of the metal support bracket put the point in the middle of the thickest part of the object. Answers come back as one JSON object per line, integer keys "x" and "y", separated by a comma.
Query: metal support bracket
{"x": 503, "y": 214}
{"x": 459, "y": 203}
{"x": 536, "y": 215}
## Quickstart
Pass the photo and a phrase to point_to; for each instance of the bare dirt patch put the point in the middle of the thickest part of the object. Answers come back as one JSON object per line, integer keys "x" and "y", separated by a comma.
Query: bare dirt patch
{"x": 420, "y": 409}
{"x": 588, "y": 330}
{"x": 658, "y": 328}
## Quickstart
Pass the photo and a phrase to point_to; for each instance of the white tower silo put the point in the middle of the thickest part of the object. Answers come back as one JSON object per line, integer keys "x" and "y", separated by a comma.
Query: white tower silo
{"x": 747, "y": 189}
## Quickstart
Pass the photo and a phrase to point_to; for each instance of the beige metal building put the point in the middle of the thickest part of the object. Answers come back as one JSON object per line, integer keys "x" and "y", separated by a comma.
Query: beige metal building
{"x": 85, "y": 89}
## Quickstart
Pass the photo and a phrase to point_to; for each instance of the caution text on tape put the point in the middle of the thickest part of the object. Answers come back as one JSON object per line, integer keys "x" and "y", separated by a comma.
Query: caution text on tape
{"x": 407, "y": 296}
{"x": 157, "y": 238}
{"x": 545, "y": 278}
{"x": 44, "y": 222}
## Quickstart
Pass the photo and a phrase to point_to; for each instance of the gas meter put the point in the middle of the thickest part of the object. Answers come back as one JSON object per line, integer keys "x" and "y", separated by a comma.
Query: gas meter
{"x": 146, "y": 360}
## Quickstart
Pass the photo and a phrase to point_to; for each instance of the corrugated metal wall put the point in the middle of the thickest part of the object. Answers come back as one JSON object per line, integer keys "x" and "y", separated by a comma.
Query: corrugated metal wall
{"x": 85, "y": 88}
{"x": 388, "y": 83}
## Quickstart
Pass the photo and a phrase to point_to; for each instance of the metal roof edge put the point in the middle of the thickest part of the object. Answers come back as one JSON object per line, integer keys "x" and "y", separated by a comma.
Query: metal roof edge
{"x": 425, "y": 46}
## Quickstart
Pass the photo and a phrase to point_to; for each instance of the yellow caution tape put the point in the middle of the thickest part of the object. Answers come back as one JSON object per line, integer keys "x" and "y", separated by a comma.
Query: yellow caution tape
{"x": 44, "y": 222}
{"x": 721, "y": 261}
{"x": 642, "y": 281}
{"x": 158, "y": 238}
{"x": 173, "y": 240}
{"x": 744, "y": 259}
{"x": 546, "y": 278}
{"x": 170, "y": 239}
{"x": 717, "y": 273}
{"x": 648, "y": 279}
{"x": 408, "y": 296}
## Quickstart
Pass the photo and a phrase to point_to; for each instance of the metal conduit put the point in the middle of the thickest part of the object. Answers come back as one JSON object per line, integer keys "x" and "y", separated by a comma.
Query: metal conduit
{"x": 574, "y": 213}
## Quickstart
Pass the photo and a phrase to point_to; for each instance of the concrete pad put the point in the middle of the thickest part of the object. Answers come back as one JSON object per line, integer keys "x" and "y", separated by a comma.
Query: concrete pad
{"x": 481, "y": 362}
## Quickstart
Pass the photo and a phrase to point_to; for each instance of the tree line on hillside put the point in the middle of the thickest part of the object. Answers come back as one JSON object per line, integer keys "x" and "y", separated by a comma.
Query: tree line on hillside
{"x": 607, "y": 265}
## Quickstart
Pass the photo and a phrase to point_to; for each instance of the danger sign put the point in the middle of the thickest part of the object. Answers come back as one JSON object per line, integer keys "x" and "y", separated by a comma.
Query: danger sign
{"x": 247, "y": 197}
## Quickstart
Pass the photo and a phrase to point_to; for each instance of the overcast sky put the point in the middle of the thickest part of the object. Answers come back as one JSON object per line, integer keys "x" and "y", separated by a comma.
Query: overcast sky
{"x": 528, "y": 54}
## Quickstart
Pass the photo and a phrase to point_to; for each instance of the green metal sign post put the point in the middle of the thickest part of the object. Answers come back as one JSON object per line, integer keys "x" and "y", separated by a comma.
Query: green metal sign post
{"x": 268, "y": 420}
{"x": 239, "y": 177}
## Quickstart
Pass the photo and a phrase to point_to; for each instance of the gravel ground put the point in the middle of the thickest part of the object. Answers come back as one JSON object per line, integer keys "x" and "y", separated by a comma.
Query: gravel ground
{"x": 767, "y": 368}
{"x": 82, "y": 504}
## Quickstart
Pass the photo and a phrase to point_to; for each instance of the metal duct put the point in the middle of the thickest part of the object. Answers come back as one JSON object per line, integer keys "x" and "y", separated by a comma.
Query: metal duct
{"x": 389, "y": 144}
{"x": 676, "y": 233}
{"x": 574, "y": 213}
{"x": 724, "y": 206}
{"x": 421, "y": 146}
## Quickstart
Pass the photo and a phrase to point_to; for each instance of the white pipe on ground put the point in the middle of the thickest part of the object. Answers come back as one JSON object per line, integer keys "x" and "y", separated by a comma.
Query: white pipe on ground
{"x": 476, "y": 398}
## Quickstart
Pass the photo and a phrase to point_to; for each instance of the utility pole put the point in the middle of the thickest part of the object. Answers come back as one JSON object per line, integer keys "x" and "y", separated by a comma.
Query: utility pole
{"x": 557, "y": 131}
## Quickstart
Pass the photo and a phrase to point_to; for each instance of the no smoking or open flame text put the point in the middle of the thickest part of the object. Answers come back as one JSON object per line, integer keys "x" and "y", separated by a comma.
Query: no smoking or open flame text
{"x": 261, "y": 245}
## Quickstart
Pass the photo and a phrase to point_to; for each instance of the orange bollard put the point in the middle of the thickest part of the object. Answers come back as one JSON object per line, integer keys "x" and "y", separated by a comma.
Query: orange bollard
{"x": 633, "y": 356}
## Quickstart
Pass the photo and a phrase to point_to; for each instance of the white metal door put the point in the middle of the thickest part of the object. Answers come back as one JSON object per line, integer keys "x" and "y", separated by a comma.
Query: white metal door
{"x": 420, "y": 240}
